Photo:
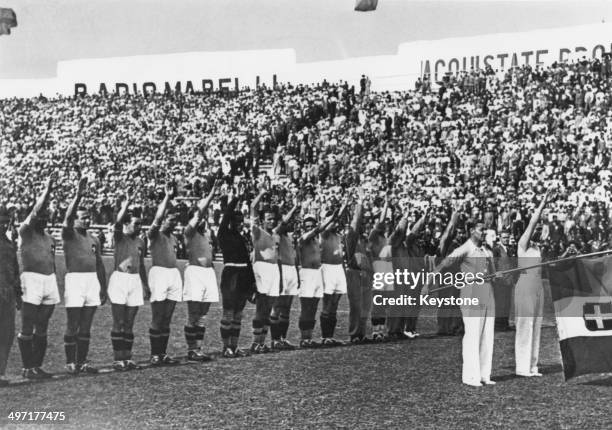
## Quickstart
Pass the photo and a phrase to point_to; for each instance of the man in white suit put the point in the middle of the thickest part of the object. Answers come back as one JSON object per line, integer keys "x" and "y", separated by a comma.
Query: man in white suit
{"x": 479, "y": 320}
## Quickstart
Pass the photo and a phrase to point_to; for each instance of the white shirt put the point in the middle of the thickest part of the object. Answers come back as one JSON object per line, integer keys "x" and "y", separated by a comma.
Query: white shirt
{"x": 474, "y": 259}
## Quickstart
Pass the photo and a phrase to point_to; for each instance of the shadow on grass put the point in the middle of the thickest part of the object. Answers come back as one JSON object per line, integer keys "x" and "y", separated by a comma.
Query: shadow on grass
{"x": 605, "y": 382}
{"x": 544, "y": 370}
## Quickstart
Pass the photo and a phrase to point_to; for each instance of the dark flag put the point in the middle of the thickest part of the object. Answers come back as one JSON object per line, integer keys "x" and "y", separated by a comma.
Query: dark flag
{"x": 365, "y": 5}
{"x": 8, "y": 20}
{"x": 582, "y": 295}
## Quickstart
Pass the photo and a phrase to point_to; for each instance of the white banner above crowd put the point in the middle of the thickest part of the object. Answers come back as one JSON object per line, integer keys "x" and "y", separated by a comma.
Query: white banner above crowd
{"x": 503, "y": 51}
{"x": 231, "y": 71}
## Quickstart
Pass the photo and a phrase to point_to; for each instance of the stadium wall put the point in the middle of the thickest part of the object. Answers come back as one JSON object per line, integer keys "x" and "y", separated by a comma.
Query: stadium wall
{"x": 237, "y": 69}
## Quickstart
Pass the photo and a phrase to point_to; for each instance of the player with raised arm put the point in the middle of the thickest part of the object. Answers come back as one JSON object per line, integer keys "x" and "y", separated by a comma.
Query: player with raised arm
{"x": 164, "y": 279}
{"x": 380, "y": 247}
{"x": 128, "y": 285}
{"x": 39, "y": 284}
{"x": 334, "y": 278}
{"x": 406, "y": 256}
{"x": 279, "y": 317}
{"x": 200, "y": 289}
{"x": 237, "y": 278}
{"x": 359, "y": 275}
{"x": 529, "y": 297}
{"x": 449, "y": 316}
{"x": 85, "y": 282}
{"x": 311, "y": 279}
{"x": 266, "y": 270}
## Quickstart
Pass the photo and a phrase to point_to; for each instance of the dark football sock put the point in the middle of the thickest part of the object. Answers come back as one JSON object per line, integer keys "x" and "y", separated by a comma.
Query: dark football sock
{"x": 327, "y": 329}
{"x": 226, "y": 332}
{"x": 117, "y": 342}
{"x": 200, "y": 331}
{"x": 275, "y": 329}
{"x": 235, "y": 334}
{"x": 82, "y": 347}
{"x": 70, "y": 348}
{"x": 39, "y": 347}
{"x": 258, "y": 331}
{"x": 26, "y": 349}
{"x": 128, "y": 343}
{"x": 154, "y": 336}
{"x": 332, "y": 324}
{"x": 164, "y": 337}
{"x": 284, "y": 325}
{"x": 191, "y": 336}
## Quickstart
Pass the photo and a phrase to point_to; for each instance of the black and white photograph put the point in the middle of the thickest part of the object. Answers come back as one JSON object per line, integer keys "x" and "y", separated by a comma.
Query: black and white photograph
{"x": 305, "y": 214}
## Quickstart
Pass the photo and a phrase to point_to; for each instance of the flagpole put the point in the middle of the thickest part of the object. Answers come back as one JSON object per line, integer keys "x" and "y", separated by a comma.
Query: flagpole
{"x": 546, "y": 263}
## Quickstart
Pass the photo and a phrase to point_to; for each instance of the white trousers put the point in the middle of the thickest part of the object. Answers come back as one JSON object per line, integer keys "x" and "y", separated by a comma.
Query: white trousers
{"x": 529, "y": 304}
{"x": 479, "y": 324}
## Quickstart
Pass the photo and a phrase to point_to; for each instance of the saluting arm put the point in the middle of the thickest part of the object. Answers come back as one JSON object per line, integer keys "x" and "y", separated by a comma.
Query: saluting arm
{"x": 286, "y": 219}
{"x": 524, "y": 240}
{"x": 329, "y": 222}
{"x": 202, "y": 206}
{"x": 456, "y": 256}
{"x": 121, "y": 215}
{"x": 123, "y": 210}
{"x": 418, "y": 226}
{"x": 383, "y": 214}
{"x": 357, "y": 216}
{"x": 229, "y": 210}
{"x": 448, "y": 232}
{"x": 161, "y": 209}
{"x": 204, "y": 203}
{"x": 323, "y": 227}
{"x": 42, "y": 200}
{"x": 71, "y": 211}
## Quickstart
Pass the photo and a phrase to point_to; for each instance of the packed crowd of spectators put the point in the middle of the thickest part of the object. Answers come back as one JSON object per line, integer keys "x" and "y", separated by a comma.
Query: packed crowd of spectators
{"x": 492, "y": 141}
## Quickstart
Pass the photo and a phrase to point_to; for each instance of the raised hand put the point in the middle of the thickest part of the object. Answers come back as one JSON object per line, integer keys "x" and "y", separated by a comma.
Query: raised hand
{"x": 82, "y": 186}
{"x": 458, "y": 206}
{"x": 169, "y": 190}
{"x": 230, "y": 194}
{"x": 360, "y": 194}
{"x": 551, "y": 194}
{"x": 50, "y": 181}
{"x": 129, "y": 195}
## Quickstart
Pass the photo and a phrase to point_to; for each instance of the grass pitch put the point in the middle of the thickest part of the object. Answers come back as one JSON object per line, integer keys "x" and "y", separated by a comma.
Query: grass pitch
{"x": 410, "y": 384}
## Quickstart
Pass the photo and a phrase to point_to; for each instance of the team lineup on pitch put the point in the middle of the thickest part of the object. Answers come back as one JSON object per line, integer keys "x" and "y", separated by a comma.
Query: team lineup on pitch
{"x": 329, "y": 262}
